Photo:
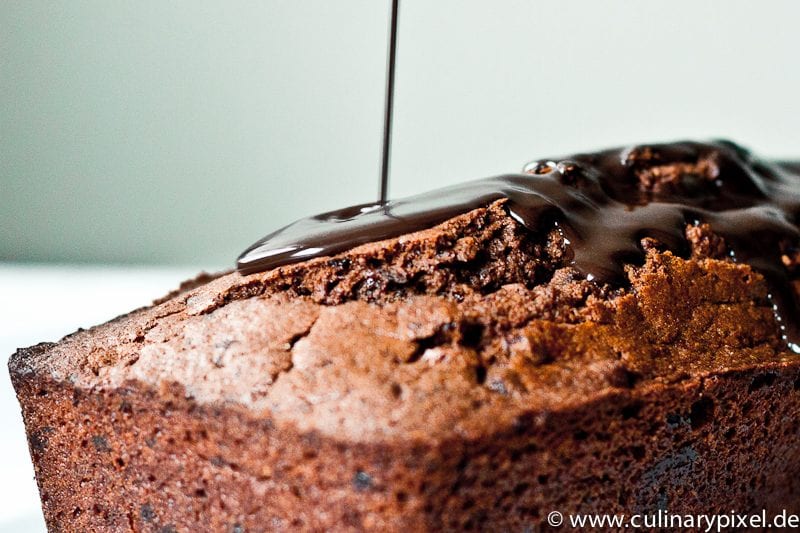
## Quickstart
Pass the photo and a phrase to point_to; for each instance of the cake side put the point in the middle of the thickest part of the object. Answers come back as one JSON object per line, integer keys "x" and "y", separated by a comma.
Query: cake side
{"x": 138, "y": 459}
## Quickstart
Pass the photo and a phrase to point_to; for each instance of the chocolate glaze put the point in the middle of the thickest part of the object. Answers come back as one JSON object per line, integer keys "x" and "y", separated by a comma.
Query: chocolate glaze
{"x": 604, "y": 203}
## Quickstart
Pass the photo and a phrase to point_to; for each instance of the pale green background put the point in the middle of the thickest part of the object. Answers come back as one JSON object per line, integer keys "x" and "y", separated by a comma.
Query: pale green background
{"x": 179, "y": 132}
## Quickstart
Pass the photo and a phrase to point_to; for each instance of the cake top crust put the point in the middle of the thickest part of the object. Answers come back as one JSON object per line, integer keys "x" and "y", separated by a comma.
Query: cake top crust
{"x": 475, "y": 324}
{"x": 603, "y": 203}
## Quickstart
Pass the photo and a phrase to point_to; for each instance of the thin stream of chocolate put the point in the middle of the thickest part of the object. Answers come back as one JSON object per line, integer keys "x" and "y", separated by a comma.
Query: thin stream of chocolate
{"x": 383, "y": 184}
{"x": 605, "y": 203}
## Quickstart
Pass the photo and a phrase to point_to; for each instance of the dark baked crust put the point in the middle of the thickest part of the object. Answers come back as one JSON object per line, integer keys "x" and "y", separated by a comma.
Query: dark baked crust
{"x": 463, "y": 376}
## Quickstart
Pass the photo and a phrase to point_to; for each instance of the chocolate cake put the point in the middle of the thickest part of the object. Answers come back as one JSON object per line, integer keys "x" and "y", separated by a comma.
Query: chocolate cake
{"x": 603, "y": 333}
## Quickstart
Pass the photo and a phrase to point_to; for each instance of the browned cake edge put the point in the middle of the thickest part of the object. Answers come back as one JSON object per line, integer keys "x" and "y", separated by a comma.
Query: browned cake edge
{"x": 135, "y": 458}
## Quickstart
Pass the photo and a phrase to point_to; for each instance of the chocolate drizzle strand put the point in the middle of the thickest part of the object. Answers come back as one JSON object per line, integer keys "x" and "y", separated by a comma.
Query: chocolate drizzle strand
{"x": 605, "y": 203}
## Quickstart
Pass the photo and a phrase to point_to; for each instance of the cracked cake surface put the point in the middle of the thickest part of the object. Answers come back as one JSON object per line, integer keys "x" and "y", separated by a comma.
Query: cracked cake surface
{"x": 464, "y": 376}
